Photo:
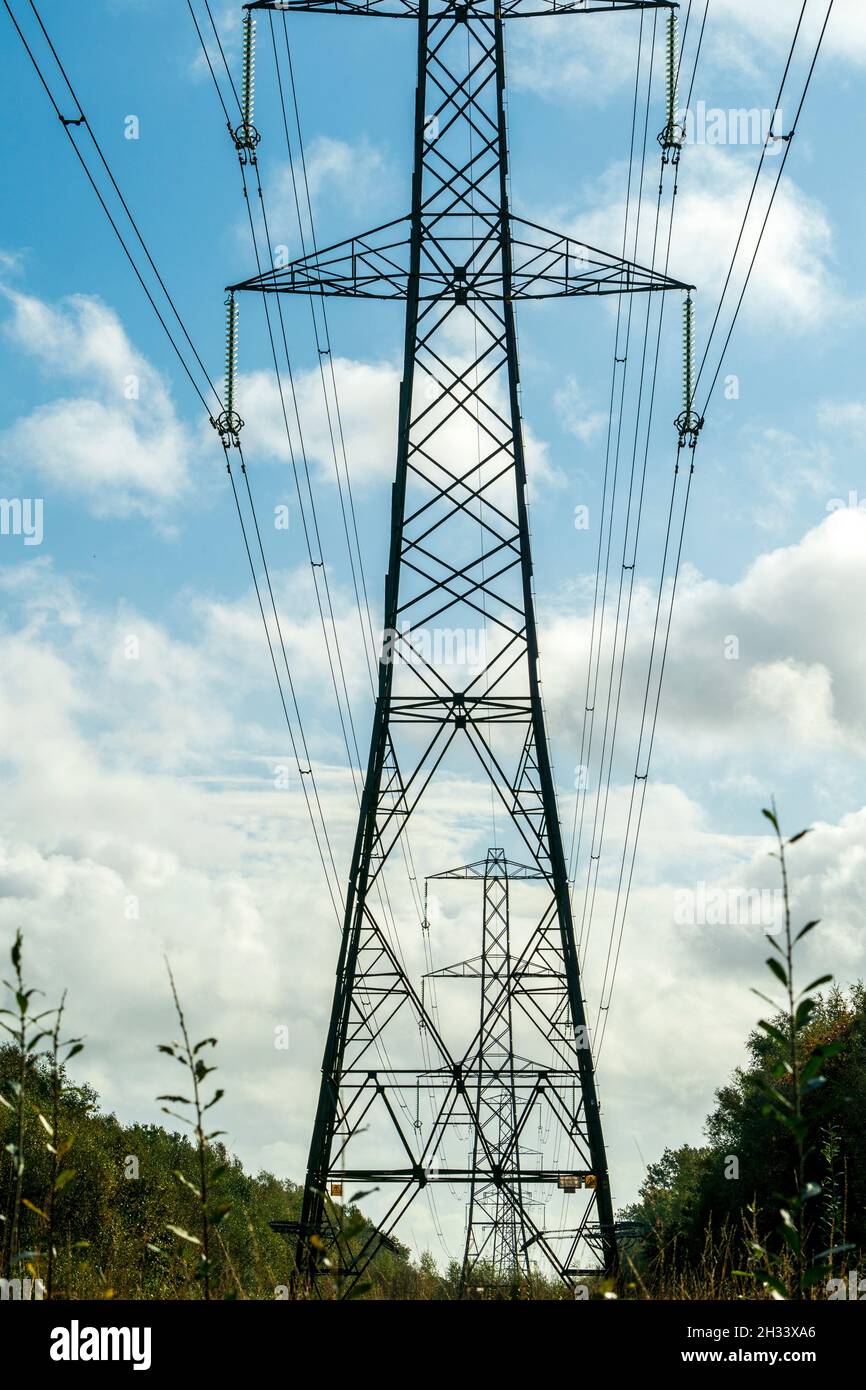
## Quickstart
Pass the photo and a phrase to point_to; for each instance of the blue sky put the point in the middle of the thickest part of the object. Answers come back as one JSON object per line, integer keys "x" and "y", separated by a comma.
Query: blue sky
{"x": 153, "y": 779}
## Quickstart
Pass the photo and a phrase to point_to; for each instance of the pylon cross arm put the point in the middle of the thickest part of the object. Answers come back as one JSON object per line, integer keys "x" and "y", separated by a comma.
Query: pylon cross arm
{"x": 451, "y": 9}
{"x": 375, "y": 265}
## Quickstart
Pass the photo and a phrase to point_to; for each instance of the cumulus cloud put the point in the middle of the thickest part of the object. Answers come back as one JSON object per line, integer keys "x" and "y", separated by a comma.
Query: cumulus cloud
{"x": 350, "y": 179}
{"x": 793, "y": 282}
{"x": 368, "y": 396}
{"x": 120, "y": 445}
{"x": 668, "y": 1047}
{"x": 765, "y": 661}
{"x": 573, "y": 58}
{"x": 368, "y": 411}
{"x": 141, "y": 815}
{"x": 771, "y": 26}
{"x": 590, "y": 60}
{"x": 577, "y": 413}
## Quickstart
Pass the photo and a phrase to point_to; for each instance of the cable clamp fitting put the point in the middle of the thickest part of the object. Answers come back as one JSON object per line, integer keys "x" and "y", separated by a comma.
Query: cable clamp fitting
{"x": 689, "y": 425}
{"x": 228, "y": 426}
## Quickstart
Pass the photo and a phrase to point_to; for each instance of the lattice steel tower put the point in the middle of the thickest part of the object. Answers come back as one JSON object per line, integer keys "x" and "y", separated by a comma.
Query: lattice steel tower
{"x": 459, "y": 556}
{"x": 496, "y": 1232}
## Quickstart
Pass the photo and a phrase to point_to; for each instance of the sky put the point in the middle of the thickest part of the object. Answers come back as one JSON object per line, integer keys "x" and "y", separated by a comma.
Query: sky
{"x": 151, "y": 806}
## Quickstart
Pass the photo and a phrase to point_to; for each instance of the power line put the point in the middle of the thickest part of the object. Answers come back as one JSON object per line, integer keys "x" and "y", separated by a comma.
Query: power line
{"x": 643, "y": 778}
{"x": 69, "y": 126}
{"x": 308, "y": 772}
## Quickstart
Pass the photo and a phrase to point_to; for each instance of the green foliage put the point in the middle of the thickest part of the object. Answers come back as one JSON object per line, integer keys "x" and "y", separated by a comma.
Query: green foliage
{"x": 795, "y": 1074}
{"x": 212, "y": 1208}
{"x": 112, "y": 1229}
{"x": 794, "y": 1120}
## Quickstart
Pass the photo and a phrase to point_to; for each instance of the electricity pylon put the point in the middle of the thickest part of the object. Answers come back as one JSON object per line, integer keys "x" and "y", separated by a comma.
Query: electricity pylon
{"x": 459, "y": 555}
{"x": 496, "y": 1232}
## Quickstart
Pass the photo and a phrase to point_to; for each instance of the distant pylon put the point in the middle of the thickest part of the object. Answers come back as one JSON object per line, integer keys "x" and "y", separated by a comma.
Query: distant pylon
{"x": 496, "y": 1234}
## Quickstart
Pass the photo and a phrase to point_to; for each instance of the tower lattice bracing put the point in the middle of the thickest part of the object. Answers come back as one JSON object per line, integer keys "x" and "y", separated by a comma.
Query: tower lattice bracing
{"x": 496, "y": 1231}
{"x": 412, "y": 1094}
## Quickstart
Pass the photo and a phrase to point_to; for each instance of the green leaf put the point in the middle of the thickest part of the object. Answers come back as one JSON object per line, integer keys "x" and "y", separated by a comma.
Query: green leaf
{"x": 834, "y": 1250}
{"x": 74, "y": 1050}
{"x": 779, "y": 1098}
{"x": 771, "y": 817}
{"x": 218, "y": 1095}
{"x": 821, "y": 980}
{"x": 205, "y": 1042}
{"x": 184, "y": 1119}
{"x": 799, "y": 836}
{"x": 773, "y": 1032}
{"x": 358, "y": 1290}
{"x": 805, "y": 1010}
{"x": 175, "y": 1100}
{"x": 25, "y": 1202}
{"x": 63, "y": 1179}
{"x": 777, "y": 969}
{"x": 184, "y": 1235}
{"x": 773, "y": 1003}
{"x": 176, "y": 1173}
{"x": 359, "y": 1196}
{"x": 814, "y": 1084}
{"x": 776, "y": 1287}
{"x": 812, "y": 1067}
{"x": 808, "y": 927}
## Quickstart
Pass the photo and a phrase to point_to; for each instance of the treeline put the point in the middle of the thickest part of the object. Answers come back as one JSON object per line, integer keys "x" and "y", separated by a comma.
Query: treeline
{"x": 704, "y": 1210}
{"x": 113, "y": 1217}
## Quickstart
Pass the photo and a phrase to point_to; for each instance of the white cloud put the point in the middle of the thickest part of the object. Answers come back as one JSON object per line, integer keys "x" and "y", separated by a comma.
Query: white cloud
{"x": 121, "y": 445}
{"x": 224, "y": 872}
{"x": 368, "y": 396}
{"x": 353, "y": 176}
{"x": 589, "y": 60}
{"x": 354, "y": 171}
{"x": 767, "y": 662}
{"x": 784, "y": 469}
{"x": 228, "y": 25}
{"x": 771, "y": 25}
{"x": 682, "y": 1005}
{"x": 842, "y": 415}
{"x": 792, "y": 283}
{"x": 368, "y": 410}
{"x": 574, "y": 408}
{"x": 572, "y": 57}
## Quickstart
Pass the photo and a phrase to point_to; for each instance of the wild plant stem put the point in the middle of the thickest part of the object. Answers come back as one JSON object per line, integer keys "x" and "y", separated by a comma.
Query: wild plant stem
{"x": 55, "y": 1139}
{"x": 793, "y": 1060}
{"x": 13, "y": 1218}
{"x": 200, "y": 1139}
